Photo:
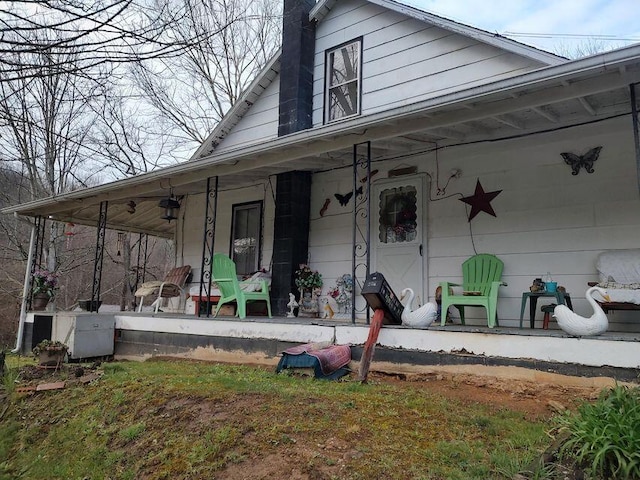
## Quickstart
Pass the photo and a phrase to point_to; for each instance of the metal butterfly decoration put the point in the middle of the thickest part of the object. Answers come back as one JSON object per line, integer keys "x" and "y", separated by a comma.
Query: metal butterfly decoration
{"x": 577, "y": 161}
{"x": 344, "y": 199}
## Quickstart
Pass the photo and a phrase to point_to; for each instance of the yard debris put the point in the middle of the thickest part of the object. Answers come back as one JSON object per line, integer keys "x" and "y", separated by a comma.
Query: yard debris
{"x": 33, "y": 378}
{"x": 50, "y": 386}
{"x": 87, "y": 378}
{"x": 27, "y": 389}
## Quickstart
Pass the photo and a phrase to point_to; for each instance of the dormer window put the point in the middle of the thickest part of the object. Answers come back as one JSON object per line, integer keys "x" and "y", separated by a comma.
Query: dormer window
{"x": 343, "y": 76}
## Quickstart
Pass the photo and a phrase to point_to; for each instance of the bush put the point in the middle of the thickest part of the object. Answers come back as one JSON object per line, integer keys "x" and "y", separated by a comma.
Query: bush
{"x": 605, "y": 436}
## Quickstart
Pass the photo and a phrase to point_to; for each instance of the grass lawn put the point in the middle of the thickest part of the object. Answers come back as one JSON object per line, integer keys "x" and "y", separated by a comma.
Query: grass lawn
{"x": 174, "y": 419}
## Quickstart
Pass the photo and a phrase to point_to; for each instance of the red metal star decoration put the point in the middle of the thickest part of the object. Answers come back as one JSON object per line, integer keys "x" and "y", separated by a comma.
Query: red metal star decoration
{"x": 480, "y": 201}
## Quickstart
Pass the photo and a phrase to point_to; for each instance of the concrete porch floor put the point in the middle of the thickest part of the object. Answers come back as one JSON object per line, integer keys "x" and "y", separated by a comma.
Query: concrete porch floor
{"x": 261, "y": 339}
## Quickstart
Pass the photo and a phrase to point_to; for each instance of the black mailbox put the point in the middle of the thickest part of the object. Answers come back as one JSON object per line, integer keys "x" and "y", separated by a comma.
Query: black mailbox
{"x": 379, "y": 296}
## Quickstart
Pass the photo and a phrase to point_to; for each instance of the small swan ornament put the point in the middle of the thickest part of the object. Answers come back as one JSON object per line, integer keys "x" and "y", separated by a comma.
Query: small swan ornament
{"x": 578, "y": 326}
{"x": 422, "y": 317}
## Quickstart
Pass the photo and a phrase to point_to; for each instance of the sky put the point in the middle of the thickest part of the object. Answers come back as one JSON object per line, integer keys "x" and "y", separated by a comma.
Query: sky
{"x": 619, "y": 20}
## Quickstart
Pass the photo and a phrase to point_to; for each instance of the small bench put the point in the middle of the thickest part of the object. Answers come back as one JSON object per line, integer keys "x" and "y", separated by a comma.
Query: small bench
{"x": 610, "y": 306}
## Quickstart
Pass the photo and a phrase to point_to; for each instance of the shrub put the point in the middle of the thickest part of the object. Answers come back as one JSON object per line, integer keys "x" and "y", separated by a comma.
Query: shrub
{"x": 605, "y": 435}
{"x": 49, "y": 345}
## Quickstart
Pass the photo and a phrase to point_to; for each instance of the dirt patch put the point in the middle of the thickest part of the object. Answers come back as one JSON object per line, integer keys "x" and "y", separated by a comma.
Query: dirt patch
{"x": 535, "y": 400}
{"x": 301, "y": 456}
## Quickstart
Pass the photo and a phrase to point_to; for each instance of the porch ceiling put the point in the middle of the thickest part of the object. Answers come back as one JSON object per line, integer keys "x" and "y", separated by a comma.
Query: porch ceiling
{"x": 587, "y": 90}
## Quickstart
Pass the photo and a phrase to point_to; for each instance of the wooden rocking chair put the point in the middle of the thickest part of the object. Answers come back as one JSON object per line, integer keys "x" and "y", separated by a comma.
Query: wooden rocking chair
{"x": 171, "y": 286}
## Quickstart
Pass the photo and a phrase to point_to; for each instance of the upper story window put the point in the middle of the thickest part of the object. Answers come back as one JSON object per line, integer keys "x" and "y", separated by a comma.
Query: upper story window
{"x": 343, "y": 76}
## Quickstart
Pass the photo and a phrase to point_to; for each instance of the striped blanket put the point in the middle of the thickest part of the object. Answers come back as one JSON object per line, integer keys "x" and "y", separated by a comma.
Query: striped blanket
{"x": 325, "y": 359}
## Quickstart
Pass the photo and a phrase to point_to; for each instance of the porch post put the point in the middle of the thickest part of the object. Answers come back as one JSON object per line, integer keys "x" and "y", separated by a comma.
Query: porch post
{"x": 291, "y": 235}
{"x": 140, "y": 272}
{"x": 206, "y": 266}
{"x": 636, "y": 135}
{"x": 26, "y": 290}
{"x": 361, "y": 238}
{"x": 99, "y": 256}
{"x": 38, "y": 252}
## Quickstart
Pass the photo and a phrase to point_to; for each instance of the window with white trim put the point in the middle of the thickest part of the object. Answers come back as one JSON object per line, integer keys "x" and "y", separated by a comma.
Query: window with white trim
{"x": 343, "y": 76}
{"x": 246, "y": 232}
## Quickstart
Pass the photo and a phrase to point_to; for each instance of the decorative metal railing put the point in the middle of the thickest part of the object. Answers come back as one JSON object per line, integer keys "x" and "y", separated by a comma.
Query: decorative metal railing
{"x": 99, "y": 256}
{"x": 361, "y": 255}
{"x": 206, "y": 271}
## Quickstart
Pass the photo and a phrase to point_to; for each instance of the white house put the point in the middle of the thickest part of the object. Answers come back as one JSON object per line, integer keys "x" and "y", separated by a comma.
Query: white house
{"x": 372, "y": 108}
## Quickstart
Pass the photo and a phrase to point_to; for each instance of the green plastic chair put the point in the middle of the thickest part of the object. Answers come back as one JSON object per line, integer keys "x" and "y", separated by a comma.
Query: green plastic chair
{"x": 233, "y": 290}
{"x": 481, "y": 279}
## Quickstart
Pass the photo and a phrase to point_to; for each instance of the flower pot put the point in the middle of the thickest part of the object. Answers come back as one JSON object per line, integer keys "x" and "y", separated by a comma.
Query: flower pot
{"x": 40, "y": 302}
{"x": 308, "y": 304}
{"x": 51, "y": 358}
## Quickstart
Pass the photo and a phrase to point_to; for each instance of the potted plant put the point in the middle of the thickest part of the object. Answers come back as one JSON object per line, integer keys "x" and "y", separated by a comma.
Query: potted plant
{"x": 50, "y": 353}
{"x": 309, "y": 283}
{"x": 45, "y": 284}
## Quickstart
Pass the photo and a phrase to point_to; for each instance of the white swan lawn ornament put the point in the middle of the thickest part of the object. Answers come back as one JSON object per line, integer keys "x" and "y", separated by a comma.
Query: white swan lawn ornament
{"x": 422, "y": 317}
{"x": 578, "y": 326}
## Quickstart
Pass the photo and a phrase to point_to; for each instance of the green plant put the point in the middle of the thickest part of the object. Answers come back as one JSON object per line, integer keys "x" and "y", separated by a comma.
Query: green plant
{"x": 604, "y": 436}
{"x": 49, "y": 346}
{"x": 307, "y": 278}
{"x": 45, "y": 282}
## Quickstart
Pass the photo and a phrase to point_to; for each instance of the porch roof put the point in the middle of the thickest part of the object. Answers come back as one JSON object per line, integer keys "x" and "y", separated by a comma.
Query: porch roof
{"x": 576, "y": 92}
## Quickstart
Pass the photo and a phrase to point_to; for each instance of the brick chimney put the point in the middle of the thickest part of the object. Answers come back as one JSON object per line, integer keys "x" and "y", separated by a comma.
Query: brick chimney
{"x": 296, "y": 67}
{"x": 293, "y": 190}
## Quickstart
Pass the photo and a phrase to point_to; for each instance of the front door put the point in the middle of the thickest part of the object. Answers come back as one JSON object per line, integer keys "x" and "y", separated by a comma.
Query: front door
{"x": 397, "y": 233}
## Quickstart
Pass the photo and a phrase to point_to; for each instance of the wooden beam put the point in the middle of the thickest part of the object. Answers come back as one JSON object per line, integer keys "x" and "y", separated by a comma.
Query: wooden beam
{"x": 549, "y": 116}
{"x": 587, "y": 106}
{"x": 511, "y": 122}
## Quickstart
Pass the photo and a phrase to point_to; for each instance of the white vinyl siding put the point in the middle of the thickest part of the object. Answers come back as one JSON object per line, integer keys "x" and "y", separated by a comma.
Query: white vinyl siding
{"x": 405, "y": 60}
{"x": 546, "y": 218}
{"x": 259, "y": 123}
{"x": 191, "y": 227}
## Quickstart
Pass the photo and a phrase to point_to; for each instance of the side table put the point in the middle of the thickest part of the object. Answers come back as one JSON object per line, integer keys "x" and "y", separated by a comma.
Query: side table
{"x": 563, "y": 298}
{"x": 201, "y": 303}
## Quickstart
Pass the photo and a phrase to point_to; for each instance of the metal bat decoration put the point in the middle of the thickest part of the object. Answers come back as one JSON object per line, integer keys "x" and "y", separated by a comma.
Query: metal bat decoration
{"x": 577, "y": 161}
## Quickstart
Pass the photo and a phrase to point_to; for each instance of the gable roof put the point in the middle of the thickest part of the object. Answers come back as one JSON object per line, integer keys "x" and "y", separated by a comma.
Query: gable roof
{"x": 323, "y": 7}
{"x": 272, "y": 69}
{"x": 598, "y": 85}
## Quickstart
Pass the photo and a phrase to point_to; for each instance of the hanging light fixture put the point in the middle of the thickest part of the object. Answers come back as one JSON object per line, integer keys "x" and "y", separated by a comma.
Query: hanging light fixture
{"x": 120, "y": 243}
{"x": 171, "y": 207}
{"x": 131, "y": 207}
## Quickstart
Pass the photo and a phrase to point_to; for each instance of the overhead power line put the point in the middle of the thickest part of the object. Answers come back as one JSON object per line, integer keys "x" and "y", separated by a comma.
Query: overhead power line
{"x": 612, "y": 38}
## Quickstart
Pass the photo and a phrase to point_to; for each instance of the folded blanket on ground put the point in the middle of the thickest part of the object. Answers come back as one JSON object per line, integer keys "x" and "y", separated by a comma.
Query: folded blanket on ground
{"x": 329, "y": 359}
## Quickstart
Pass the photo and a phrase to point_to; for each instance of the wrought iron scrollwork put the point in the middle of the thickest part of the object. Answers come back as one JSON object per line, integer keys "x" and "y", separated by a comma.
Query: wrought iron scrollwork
{"x": 99, "y": 256}
{"x": 361, "y": 255}
{"x": 38, "y": 247}
{"x": 141, "y": 262}
{"x": 207, "y": 245}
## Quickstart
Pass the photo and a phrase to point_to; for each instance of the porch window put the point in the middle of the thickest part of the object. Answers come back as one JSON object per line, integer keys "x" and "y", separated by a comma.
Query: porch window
{"x": 342, "y": 94}
{"x": 246, "y": 232}
{"x": 397, "y": 216}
